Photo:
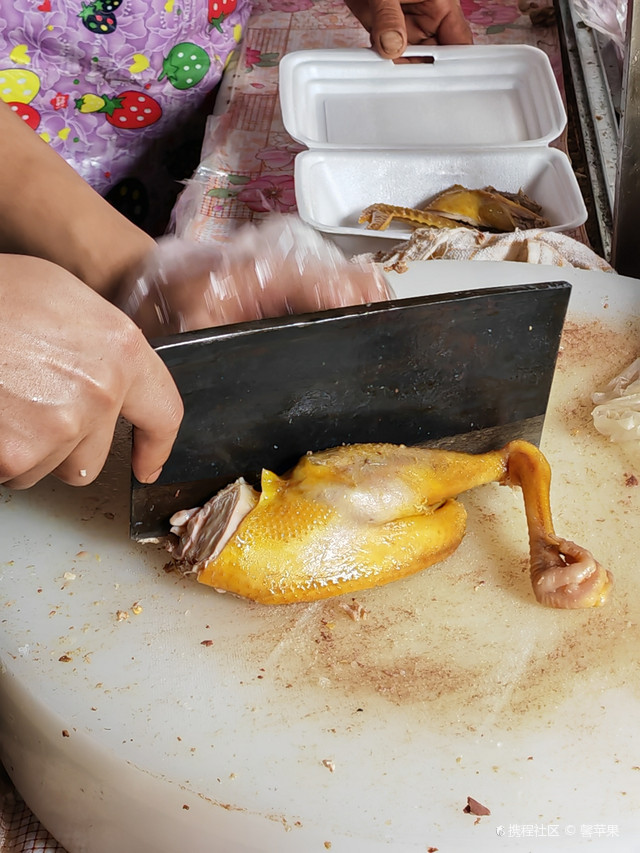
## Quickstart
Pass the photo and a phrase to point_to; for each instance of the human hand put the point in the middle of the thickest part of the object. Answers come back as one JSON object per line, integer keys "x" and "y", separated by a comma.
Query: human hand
{"x": 71, "y": 364}
{"x": 392, "y": 24}
{"x": 280, "y": 267}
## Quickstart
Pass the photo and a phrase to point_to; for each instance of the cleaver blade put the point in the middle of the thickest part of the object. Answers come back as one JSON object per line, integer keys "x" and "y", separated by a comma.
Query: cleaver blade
{"x": 468, "y": 371}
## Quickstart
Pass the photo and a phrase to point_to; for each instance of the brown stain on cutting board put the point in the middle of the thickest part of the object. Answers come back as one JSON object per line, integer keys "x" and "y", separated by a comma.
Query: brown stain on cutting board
{"x": 464, "y": 645}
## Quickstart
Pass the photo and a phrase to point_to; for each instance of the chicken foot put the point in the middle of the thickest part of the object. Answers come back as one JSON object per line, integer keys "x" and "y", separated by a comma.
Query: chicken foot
{"x": 363, "y": 515}
{"x": 378, "y": 217}
{"x": 563, "y": 574}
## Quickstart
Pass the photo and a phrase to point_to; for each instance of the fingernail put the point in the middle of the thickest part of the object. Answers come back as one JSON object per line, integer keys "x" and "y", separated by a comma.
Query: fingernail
{"x": 153, "y": 477}
{"x": 391, "y": 42}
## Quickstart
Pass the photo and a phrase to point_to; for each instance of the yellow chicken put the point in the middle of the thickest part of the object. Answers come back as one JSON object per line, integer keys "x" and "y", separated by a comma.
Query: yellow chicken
{"x": 458, "y": 206}
{"x": 362, "y": 515}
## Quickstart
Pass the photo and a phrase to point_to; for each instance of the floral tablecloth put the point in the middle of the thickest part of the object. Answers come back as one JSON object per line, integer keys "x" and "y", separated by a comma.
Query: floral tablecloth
{"x": 247, "y": 163}
{"x": 247, "y": 170}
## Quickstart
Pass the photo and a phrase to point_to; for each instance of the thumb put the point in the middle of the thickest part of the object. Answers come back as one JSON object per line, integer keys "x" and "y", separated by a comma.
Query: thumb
{"x": 154, "y": 408}
{"x": 388, "y": 28}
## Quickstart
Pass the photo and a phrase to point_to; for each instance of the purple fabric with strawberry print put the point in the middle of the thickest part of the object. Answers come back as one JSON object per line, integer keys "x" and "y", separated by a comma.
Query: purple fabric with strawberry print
{"x": 119, "y": 88}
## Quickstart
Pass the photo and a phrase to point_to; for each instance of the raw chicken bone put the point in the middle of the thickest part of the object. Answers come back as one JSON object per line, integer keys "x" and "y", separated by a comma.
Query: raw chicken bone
{"x": 362, "y": 515}
{"x": 457, "y": 205}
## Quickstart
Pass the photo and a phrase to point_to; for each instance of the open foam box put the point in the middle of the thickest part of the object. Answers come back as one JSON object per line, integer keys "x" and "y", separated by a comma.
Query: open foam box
{"x": 377, "y": 131}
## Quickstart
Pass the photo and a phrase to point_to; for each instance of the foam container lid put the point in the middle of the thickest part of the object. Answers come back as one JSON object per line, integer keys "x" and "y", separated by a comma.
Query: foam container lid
{"x": 460, "y": 95}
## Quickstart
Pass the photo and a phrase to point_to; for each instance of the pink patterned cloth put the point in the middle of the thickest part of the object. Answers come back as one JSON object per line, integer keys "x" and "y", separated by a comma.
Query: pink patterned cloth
{"x": 113, "y": 85}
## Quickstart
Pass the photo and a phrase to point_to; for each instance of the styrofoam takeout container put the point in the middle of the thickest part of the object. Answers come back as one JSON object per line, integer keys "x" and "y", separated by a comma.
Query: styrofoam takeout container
{"x": 398, "y": 134}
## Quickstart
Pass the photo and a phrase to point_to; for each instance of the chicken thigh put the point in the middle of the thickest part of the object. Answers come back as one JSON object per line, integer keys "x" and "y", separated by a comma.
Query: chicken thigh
{"x": 362, "y": 515}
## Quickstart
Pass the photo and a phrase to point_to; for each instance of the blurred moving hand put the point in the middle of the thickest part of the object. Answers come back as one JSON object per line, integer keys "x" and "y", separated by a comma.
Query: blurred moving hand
{"x": 279, "y": 267}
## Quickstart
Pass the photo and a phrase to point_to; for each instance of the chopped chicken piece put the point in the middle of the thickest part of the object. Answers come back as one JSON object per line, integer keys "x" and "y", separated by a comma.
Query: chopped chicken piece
{"x": 484, "y": 208}
{"x": 488, "y": 208}
{"x": 362, "y": 515}
{"x": 475, "y": 808}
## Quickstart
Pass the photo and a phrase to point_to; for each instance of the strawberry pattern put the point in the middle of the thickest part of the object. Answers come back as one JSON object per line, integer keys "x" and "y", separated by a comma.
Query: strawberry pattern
{"x": 219, "y": 10}
{"x": 129, "y": 110}
{"x": 27, "y": 113}
{"x": 113, "y": 85}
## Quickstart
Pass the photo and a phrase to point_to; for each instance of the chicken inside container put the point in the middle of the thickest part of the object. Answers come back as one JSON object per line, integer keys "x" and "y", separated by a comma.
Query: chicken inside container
{"x": 487, "y": 209}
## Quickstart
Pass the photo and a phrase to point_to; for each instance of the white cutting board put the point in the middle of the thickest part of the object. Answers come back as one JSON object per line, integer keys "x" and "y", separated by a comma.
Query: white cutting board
{"x": 299, "y": 729}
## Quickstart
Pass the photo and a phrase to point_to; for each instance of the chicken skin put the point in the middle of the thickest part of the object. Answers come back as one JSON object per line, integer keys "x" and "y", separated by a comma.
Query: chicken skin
{"x": 488, "y": 208}
{"x": 362, "y": 515}
{"x": 484, "y": 208}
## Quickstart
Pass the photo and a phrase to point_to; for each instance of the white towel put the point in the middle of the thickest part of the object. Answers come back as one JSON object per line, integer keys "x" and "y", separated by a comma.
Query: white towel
{"x": 534, "y": 246}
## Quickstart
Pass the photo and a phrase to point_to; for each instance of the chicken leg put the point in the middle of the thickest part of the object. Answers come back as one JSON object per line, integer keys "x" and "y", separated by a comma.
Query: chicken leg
{"x": 362, "y": 515}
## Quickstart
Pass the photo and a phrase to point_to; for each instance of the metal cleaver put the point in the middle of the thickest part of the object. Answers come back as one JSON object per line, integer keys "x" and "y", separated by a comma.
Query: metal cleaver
{"x": 468, "y": 370}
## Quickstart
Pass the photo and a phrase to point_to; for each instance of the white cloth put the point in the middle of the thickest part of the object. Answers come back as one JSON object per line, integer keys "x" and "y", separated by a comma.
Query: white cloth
{"x": 617, "y": 411}
{"x": 534, "y": 246}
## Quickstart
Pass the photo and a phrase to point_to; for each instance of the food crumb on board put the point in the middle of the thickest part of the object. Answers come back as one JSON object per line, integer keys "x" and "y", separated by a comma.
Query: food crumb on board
{"x": 327, "y": 845}
{"x": 136, "y": 608}
{"x": 122, "y": 615}
{"x": 329, "y": 764}
{"x": 475, "y": 808}
{"x": 354, "y": 610}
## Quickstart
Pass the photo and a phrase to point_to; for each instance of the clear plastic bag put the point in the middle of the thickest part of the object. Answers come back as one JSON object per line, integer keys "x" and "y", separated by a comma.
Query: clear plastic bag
{"x": 617, "y": 411}
{"x": 608, "y": 17}
{"x": 278, "y": 267}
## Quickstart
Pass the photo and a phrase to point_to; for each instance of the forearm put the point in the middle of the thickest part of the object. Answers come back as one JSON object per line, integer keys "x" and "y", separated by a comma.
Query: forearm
{"x": 48, "y": 211}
